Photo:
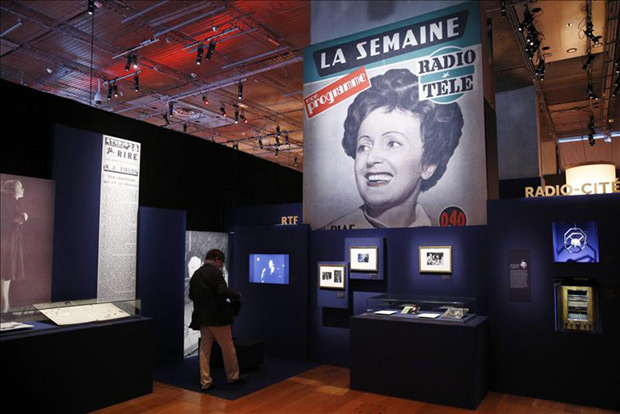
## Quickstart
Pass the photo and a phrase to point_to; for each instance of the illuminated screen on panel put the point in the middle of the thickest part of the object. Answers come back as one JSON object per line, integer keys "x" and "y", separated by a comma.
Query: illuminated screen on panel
{"x": 269, "y": 268}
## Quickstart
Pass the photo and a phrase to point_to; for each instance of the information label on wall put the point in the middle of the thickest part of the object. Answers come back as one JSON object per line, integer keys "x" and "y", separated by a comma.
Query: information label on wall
{"x": 519, "y": 273}
{"x": 118, "y": 219}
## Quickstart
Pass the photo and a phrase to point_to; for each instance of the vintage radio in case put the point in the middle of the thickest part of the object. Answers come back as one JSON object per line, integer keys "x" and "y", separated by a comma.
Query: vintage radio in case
{"x": 576, "y": 306}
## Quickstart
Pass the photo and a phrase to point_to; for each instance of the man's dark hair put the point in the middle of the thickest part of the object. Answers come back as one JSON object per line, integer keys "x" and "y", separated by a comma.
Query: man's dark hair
{"x": 397, "y": 89}
{"x": 215, "y": 254}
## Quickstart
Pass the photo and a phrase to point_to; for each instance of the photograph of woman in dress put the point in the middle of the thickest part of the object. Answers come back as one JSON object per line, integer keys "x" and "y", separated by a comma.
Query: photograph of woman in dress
{"x": 401, "y": 147}
{"x": 12, "y": 247}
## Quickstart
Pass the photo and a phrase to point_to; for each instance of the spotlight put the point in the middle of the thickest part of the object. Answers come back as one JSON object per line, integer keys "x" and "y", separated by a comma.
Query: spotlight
{"x": 136, "y": 83}
{"x": 109, "y": 90}
{"x": 210, "y": 50}
{"x": 278, "y": 131}
{"x": 295, "y": 160}
{"x": 115, "y": 89}
{"x": 540, "y": 71}
{"x": 236, "y": 115}
{"x": 591, "y": 140}
{"x": 205, "y": 100}
{"x": 240, "y": 91}
{"x": 222, "y": 110}
{"x": 502, "y": 5}
{"x": 171, "y": 108}
{"x": 260, "y": 142}
{"x": 278, "y": 139}
{"x": 184, "y": 128}
{"x": 528, "y": 19}
{"x": 243, "y": 118}
{"x": 91, "y": 7}
{"x": 286, "y": 138}
{"x": 128, "y": 64}
{"x": 235, "y": 146}
{"x": 615, "y": 92}
{"x": 277, "y": 151}
{"x": 590, "y": 91}
{"x": 588, "y": 61}
{"x": 135, "y": 62}
{"x": 199, "y": 54}
{"x": 166, "y": 119}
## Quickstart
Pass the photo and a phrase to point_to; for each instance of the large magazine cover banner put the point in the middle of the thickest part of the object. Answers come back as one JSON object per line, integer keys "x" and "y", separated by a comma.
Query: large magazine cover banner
{"x": 118, "y": 219}
{"x": 394, "y": 127}
{"x": 27, "y": 234}
{"x": 197, "y": 244}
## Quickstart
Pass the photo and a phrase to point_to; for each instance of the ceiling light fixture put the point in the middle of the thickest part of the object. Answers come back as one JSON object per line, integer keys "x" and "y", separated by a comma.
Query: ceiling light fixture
{"x": 210, "y": 50}
{"x": 205, "y": 100}
{"x": 260, "y": 142}
{"x": 136, "y": 83}
{"x": 91, "y": 7}
{"x": 295, "y": 160}
{"x": 166, "y": 119}
{"x": 170, "y": 108}
{"x": 236, "y": 115}
{"x": 589, "y": 59}
{"x": 201, "y": 49}
{"x": 115, "y": 89}
{"x": 222, "y": 110}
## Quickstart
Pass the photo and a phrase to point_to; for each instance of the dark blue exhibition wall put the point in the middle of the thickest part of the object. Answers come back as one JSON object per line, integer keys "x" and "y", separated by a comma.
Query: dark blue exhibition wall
{"x": 160, "y": 277}
{"x": 528, "y": 357}
{"x": 77, "y": 172}
{"x": 275, "y": 314}
{"x": 329, "y": 325}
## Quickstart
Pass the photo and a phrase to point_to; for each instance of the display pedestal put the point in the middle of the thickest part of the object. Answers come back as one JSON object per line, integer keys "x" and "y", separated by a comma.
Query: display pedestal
{"x": 79, "y": 368}
{"x": 432, "y": 361}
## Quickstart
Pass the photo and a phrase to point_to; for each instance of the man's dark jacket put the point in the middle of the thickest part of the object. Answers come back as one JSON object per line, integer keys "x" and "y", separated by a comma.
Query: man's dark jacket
{"x": 208, "y": 290}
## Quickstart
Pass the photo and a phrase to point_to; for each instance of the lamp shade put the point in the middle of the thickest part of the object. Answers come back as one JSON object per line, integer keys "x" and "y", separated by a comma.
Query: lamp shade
{"x": 592, "y": 178}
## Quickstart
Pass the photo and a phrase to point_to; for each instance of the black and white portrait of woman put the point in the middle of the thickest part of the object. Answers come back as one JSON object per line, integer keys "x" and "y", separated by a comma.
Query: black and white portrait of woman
{"x": 401, "y": 147}
{"x": 388, "y": 159}
{"x": 26, "y": 233}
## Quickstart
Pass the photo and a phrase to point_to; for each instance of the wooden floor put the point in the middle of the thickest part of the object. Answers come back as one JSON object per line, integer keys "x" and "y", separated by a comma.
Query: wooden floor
{"x": 323, "y": 390}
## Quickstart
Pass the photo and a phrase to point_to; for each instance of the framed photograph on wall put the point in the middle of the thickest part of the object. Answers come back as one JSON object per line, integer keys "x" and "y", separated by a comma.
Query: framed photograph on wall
{"x": 332, "y": 276}
{"x": 363, "y": 259}
{"x": 435, "y": 259}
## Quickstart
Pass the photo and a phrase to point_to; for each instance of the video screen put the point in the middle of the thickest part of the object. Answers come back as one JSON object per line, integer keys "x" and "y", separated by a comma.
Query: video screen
{"x": 269, "y": 268}
{"x": 575, "y": 241}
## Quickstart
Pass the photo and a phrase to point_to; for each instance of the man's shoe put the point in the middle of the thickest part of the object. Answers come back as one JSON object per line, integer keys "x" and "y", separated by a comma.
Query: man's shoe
{"x": 242, "y": 378}
{"x": 203, "y": 389}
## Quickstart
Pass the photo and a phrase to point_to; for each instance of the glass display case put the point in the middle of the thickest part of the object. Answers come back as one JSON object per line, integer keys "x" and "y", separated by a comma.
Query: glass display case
{"x": 453, "y": 309}
{"x": 576, "y": 305}
{"x": 68, "y": 313}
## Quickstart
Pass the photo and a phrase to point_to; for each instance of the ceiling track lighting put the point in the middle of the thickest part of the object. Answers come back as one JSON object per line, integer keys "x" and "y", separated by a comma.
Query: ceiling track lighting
{"x": 132, "y": 61}
{"x": 528, "y": 19}
{"x": 166, "y": 119}
{"x": 222, "y": 110}
{"x": 286, "y": 142}
{"x": 210, "y": 50}
{"x": 260, "y": 142}
{"x": 236, "y": 115}
{"x": 295, "y": 160}
{"x": 199, "y": 54}
{"x": 115, "y": 89}
{"x": 171, "y": 108}
{"x": 205, "y": 100}
{"x": 91, "y": 7}
{"x": 588, "y": 61}
{"x": 240, "y": 91}
{"x": 136, "y": 83}
{"x": 184, "y": 128}
{"x": 502, "y": 6}
{"x": 242, "y": 116}
{"x": 109, "y": 91}
{"x": 235, "y": 146}
{"x": 277, "y": 151}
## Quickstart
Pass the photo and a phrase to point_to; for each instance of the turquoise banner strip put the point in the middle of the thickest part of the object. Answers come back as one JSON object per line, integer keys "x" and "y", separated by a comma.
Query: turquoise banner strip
{"x": 471, "y": 37}
{"x": 433, "y": 77}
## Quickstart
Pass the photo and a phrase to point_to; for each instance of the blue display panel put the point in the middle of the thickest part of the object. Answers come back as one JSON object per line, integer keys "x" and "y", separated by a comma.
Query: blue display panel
{"x": 269, "y": 268}
{"x": 575, "y": 241}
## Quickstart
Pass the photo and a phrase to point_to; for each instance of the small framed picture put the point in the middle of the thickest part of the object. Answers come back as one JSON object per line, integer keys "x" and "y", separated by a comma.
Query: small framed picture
{"x": 435, "y": 259}
{"x": 332, "y": 276}
{"x": 363, "y": 259}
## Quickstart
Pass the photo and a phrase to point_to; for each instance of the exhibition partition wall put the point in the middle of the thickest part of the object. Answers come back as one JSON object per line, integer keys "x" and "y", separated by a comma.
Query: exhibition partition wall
{"x": 530, "y": 353}
{"x": 276, "y": 313}
{"x": 329, "y": 323}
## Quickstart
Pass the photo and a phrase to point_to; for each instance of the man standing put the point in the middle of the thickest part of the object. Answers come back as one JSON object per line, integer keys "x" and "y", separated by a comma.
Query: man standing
{"x": 213, "y": 316}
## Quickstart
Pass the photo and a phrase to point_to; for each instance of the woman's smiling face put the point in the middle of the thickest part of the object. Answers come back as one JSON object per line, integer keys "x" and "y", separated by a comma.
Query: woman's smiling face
{"x": 388, "y": 161}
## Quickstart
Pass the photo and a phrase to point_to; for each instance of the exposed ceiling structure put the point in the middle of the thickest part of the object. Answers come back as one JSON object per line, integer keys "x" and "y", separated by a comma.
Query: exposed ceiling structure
{"x": 59, "y": 48}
